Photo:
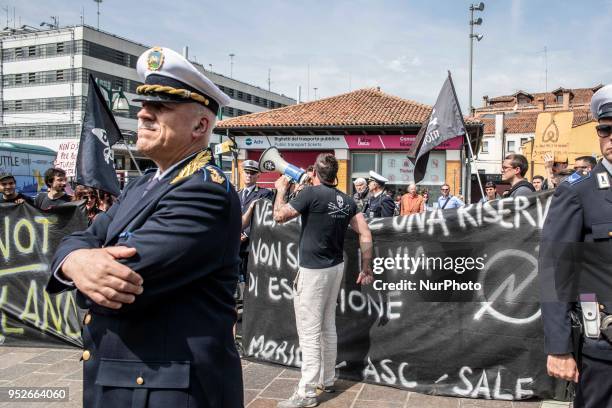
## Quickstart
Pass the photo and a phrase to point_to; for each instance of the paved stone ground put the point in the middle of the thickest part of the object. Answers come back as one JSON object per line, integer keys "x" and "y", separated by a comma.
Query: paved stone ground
{"x": 264, "y": 385}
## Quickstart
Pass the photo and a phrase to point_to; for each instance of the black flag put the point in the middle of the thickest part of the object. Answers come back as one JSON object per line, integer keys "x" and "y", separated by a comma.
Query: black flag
{"x": 95, "y": 166}
{"x": 445, "y": 122}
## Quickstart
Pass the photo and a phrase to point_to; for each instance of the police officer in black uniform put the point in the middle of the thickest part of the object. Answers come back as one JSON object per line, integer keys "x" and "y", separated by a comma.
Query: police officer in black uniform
{"x": 576, "y": 252}
{"x": 379, "y": 204}
{"x": 248, "y": 195}
{"x": 158, "y": 270}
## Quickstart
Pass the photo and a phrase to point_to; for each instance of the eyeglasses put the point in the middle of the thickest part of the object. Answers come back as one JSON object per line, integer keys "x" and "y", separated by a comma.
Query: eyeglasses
{"x": 580, "y": 167}
{"x": 445, "y": 189}
{"x": 504, "y": 168}
{"x": 603, "y": 130}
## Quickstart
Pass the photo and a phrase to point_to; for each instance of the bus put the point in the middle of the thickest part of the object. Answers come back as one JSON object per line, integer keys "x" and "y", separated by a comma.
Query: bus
{"x": 28, "y": 164}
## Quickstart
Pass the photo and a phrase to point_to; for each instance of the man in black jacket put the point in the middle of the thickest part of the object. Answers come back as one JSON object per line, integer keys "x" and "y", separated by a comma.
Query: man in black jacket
{"x": 514, "y": 168}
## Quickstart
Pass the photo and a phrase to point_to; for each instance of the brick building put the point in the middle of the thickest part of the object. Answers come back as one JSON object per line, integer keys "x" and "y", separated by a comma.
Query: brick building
{"x": 366, "y": 130}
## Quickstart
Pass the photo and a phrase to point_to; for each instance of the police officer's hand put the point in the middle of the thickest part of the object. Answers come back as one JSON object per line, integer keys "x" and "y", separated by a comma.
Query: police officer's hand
{"x": 98, "y": 275}
{"x": 562, "y": 366}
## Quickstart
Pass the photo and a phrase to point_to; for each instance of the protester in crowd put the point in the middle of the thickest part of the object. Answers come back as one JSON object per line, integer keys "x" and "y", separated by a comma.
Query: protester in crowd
{"x": 490, "y": 192}
{"x": 411, "y": 202}
{"x": 176, "y": 233}
{"x": 426, "y": 204}
{"x": 538, "y": 183}
{"x": 585, "y": 163}
{"x": 310, "y": 172}
{"x": 575, "y": 247}
{"x": 514, "y": 168}
{"x": 446, "y": 200}
{"x": 91, "y": 201}
{"x": 105, "y": 200}
{"x": 249, "y": 194}
{"x": 326, "y": 213}
{"x": 378, "y": 204}
{"x": 8, "y": 185}
{"x": 398, "y": 203}
{"x": 55, "y": 179}
{"x": 561, "y": 175}
{"x": 361, "y": 193}
{"x": 552, "y": 166}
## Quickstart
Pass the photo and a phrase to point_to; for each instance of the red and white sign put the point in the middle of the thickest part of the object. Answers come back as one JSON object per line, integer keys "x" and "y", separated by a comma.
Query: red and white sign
{"x": 394, "y": 142}
{"x": 67, "y": 157}
{"x": 364, "y": 142}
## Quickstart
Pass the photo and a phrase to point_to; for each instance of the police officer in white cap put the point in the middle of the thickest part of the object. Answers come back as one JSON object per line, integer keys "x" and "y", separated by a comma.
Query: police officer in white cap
{"x": 248, "y": 195}
{"x": 158, "y": 271}
{"x": 379, "y": 204}
{"x": 575, "y": 266}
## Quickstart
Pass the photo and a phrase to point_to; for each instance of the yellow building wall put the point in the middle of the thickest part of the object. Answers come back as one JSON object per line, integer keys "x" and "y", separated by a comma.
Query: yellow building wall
{"x": 343, "y": 176}
{"x": 453, "y": 176}
{"x": 573, "y": 142}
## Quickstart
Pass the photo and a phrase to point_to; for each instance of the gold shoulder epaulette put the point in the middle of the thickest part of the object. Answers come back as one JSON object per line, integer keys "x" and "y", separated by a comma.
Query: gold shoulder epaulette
{"x": 215, "y": 175}
{"x": 198, "y": 162}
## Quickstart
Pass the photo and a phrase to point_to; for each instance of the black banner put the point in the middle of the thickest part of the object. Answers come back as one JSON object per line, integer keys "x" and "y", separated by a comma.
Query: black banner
{"x": 483, "y": 342}
{"x": 28, "y": 239}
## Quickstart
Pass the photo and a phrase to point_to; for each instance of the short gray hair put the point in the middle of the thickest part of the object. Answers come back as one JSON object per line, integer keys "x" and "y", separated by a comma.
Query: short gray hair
{"x": 359, "y": 180}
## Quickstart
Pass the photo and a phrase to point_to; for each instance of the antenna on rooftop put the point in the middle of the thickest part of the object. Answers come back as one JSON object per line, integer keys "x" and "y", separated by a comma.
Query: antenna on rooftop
{"x": 98, "y": 1}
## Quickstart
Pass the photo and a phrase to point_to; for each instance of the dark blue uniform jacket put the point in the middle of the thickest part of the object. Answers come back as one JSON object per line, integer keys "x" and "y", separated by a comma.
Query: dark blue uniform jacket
{"x": 173, "y": 347}
{"x": 381, "y": 206}
{"x": 580, "y": 212}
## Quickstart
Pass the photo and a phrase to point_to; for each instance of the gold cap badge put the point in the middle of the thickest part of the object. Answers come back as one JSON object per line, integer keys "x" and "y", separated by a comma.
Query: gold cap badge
{"x": 155, "y": 60}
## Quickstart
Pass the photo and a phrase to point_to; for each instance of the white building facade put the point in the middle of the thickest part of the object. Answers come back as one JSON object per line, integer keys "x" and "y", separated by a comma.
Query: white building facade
{"x": 44, "y": 85}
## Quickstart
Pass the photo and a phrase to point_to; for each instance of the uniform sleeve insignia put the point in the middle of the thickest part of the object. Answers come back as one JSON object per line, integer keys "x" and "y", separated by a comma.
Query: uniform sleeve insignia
{"x": 216, "y": 175}
{"x": 577, "y": 177}
{"x": 198, "y": 162}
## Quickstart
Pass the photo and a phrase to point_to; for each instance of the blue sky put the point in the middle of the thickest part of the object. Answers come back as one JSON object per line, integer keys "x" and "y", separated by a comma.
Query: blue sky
{"x": 405, "y": 47}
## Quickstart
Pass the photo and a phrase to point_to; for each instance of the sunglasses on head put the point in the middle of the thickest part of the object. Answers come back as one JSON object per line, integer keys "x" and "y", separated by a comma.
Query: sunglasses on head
{"x": 603, "y": 130}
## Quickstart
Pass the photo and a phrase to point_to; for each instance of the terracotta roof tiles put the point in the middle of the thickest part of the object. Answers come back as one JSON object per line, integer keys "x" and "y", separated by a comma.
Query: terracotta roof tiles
{"x": 363, "y": 107}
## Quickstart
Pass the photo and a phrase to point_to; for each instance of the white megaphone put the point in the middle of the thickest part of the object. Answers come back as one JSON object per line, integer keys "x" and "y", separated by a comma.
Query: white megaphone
{"x": 271, "y": 161}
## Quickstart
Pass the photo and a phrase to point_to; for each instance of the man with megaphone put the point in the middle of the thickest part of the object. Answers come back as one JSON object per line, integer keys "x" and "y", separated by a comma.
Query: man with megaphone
{"x": 326, "y": 214}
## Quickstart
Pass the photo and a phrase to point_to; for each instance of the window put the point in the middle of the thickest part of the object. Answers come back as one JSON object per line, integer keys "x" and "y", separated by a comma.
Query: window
{"x": 362, "y": 163}
{"x": 32, "y": 51}
{"x": 59, "y": 75}
{"x": 559, "y": 98}
{"x": 229, "y": 92}
{"x": 31, "y": 77}
{"x": 18, "y": 79}
{"x": 524, "y": 140}
{"x": 59, "y": 48}
{"x": 511, "y": 146}
{"x": 248, "y": 97}
{"x": 18, "y": 105}
{"x": 240, "y": 95}
{"x": 18, "y": 52}
{"x": 485, "y": 146}
{"x": 31, "y": 132}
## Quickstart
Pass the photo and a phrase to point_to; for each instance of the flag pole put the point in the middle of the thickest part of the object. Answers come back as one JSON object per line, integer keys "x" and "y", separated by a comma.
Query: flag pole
{"x": 131, "y": 155}
{"x": 469, "y": 143}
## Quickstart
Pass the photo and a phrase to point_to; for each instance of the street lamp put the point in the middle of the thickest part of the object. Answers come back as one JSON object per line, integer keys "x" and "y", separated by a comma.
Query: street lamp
{"x": 478, "y": 37}
{"x": 116, "y": 99}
